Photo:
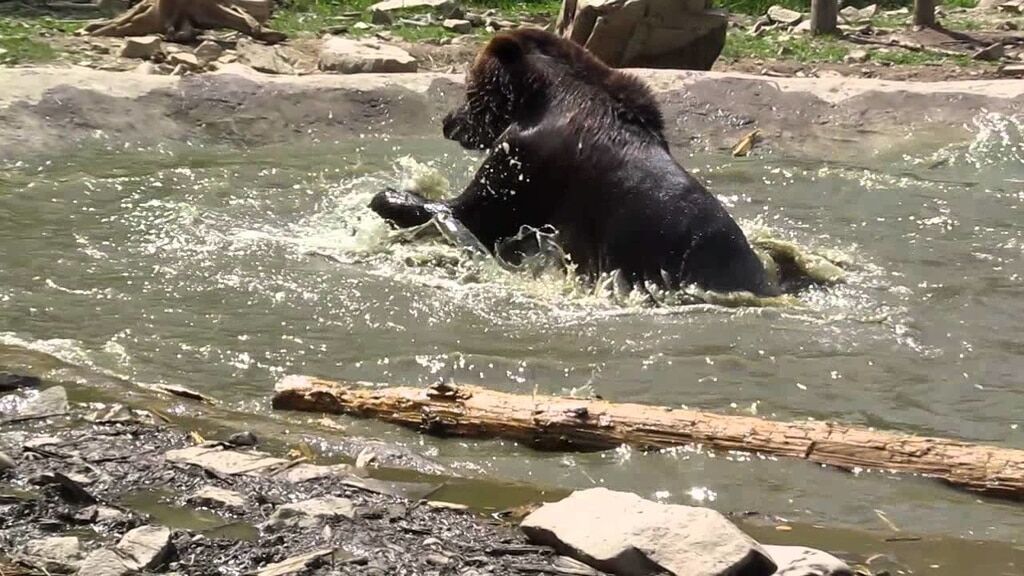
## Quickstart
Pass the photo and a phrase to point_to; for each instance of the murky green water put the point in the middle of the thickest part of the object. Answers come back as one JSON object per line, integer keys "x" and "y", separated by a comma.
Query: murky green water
{"x": 199, "y": 267}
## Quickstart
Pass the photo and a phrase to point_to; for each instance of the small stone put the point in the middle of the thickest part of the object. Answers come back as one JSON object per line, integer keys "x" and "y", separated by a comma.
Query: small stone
{"x": 803, "y": 27}
{"x": 437, "y": 560}
{"x": 784, "y": 15}
{"x": 868, "y": 12}
{"x": 363, "y": 26}
{"x": 146, "y": 547}
{"x": 144, "y": 47}
{"x": 311, "y": 513}
{"x": 208, "y": 52}
{"x": 857, "y": 57}
{"x": 801, "y": 561}
{"x": 104, "y": 562}
{"x": 850, "y": 14}
{"x": 246, "y": 438}
{"x": 1013, "y": 70}
{"x": 458, "y": 26}
{"x": 6, "y": 462}
{"x": 217, "y": 498}
{"x": 60, "y": 554}
{"x": 99, "y": 514}
{"x": 50, "y": 402}
{"x": 991, "y": 53}
{"x": 185, "y": 59}
{"x": 292, "y": 565}
{"x": 476, "y": 20}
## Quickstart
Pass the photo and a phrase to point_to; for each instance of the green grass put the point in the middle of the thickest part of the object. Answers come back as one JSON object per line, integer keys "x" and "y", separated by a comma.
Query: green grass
{"x": 23, "y": 38}
{"x": 741, "y": 44}
{"x": 759, "y": 7}
{"x": 299, "y": 17}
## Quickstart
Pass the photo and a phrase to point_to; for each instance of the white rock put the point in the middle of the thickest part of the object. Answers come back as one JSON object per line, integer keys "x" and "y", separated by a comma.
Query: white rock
{"x": 622, "y": 533}
{"x": 801, "y": 561}
{"x": 458, "y": 26}
{"x": 144, "y": 47}
{"x": 857, "y": 57}
{"x": 350, "y": 56}
{"x": 223, "y": 461}
{"x": 311, "y": 513}
{"x": 784, "y": 15}
{"x": 208, "y": 51}
{"x": 185, "y": 59}
{"x": 803, "y": 27}
{"x": 218, "y": 498}
{"x": 58, "y": 554}
{"x": 104, "y": 562}
{"x": 145, "y": 547}
{"x": 390, "y": 5}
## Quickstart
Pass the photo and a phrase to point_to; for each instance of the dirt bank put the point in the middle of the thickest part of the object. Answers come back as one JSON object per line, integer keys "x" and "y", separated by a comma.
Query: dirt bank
{"x": 50, "y": 110}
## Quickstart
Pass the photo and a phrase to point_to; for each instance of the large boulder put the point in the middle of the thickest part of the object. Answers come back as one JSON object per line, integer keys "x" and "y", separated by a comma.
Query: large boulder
{"x": 686, "y": 34}
{"x": 624, "y": 534}
{"x": 350, "y": 56}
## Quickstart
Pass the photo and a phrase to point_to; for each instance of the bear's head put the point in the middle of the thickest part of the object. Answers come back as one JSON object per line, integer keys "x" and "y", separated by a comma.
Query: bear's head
{"x": 496, "y": 90}
{"x": 519, "y": 73}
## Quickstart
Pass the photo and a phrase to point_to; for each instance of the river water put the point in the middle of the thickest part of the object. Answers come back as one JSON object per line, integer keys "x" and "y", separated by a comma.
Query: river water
{"x": 224, "y": 270}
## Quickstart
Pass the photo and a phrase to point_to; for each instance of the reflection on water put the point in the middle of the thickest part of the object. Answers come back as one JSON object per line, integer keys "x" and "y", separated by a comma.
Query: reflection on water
{"x": 206, "y": 268}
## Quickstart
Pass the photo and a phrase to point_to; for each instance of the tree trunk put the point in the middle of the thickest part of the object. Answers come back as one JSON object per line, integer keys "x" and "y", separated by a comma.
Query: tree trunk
{"x": 552, "y": 423}
{"x": 180, "y": 19}
{"x": 924, "y": 13}
{"x": 824, "y": 16}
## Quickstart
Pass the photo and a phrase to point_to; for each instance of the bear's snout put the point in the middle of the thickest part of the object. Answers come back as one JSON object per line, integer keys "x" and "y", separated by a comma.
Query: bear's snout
{"x": 450, "y": 126}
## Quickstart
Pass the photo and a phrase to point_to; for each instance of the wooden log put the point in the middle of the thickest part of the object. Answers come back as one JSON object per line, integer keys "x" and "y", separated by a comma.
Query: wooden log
{"x": 552, "y": 423}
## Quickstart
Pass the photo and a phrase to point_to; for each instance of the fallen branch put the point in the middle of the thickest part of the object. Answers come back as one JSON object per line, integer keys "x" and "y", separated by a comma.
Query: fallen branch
{"x": 897, "y": 43}
{"x": 182, "y": 19}
{"x": 552, "y": 423}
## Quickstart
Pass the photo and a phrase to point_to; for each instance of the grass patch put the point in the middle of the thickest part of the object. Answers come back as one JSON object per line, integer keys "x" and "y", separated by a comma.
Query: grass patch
{"x": 304, "y": 17}
{"x": 911, "y": 58}
{"x": 23, "y": 37}
{"x": 741, "y": 44}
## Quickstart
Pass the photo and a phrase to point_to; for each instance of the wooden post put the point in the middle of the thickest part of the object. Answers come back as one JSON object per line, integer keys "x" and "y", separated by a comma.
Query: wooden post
{"x": 924, "y": 13}
{"x": 824, "y": 16}
{"x": 552, "y": 422}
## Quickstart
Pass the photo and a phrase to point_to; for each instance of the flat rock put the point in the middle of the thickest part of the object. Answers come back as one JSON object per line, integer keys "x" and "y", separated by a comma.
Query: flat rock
{"x": 222, "y": 461}
{"x": 218, "y": 498}
{"x": 307, "y": 472}
{"x": 60, "y": 554}
{"x": 990, "y": 53}
{"x": 293, "y": 565}
{"x": 458, "y": 26}
{"x": 208, "y": 52}
{"x": 784, "y": 15}
{"x": 802, "y": 561}
{"x": 52, "y": 401}
{"x": 104, "y": 562}
{"x": 350, "y": 56}
{"x": 311, "y": 513}
{"x": 144, "y": 47}
{"x": 263, "y": 58}
{"x": 624, "y": 534}
{"x": 146, "y": 547}
{"x": 391, "y": 5}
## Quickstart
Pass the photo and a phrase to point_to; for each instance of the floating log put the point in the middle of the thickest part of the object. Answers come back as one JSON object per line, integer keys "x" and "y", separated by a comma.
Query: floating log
{"x": 560, "y": 423}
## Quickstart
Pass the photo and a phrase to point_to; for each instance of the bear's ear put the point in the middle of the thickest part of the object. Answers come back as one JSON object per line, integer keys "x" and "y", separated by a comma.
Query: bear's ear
{"x": 506, "y": 49}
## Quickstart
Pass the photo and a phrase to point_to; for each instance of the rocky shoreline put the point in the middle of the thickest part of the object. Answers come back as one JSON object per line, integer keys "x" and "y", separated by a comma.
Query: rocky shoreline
{"x": 106, "y": 490}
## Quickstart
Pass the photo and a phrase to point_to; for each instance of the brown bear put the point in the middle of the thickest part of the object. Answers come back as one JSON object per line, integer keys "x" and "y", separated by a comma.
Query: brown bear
{"x": 580, "y": 147}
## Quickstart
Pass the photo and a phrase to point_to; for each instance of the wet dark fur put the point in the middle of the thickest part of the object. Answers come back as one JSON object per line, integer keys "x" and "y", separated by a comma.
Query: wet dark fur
{"x": 579, "y": 146}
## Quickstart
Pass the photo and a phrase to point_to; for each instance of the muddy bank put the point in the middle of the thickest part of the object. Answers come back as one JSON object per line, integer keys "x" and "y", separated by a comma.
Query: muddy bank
{"x": 46, "y": 111}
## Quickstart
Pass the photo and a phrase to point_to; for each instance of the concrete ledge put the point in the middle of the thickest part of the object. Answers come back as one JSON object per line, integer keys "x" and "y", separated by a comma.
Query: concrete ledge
{"x": 48, "y": 110}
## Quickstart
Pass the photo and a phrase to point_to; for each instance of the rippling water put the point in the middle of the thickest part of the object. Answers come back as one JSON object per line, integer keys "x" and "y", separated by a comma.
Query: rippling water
{"x": 224, "y": 270}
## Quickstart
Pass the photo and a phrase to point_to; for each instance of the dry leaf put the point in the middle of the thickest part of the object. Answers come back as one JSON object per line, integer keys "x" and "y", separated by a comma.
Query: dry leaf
{"x": 746, "y": 144}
